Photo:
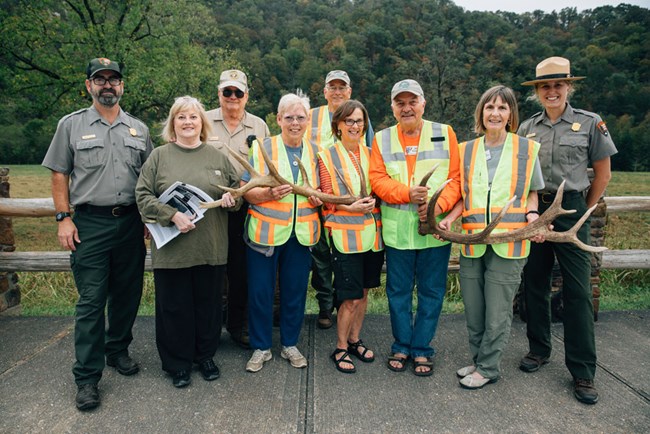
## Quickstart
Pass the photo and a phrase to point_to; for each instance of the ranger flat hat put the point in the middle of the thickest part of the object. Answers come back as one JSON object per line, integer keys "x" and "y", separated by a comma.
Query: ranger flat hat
{"x": 553, "y": 68}
{"x": 102, "y": 64}
{"x": 233, "y": 77}
{"x": 407, "y": 85}
{"x": 337, "y": 74}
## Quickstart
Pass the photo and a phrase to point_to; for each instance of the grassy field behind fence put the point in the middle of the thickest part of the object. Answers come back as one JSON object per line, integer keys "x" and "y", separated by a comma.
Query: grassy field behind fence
{"x": 55, "y": 293}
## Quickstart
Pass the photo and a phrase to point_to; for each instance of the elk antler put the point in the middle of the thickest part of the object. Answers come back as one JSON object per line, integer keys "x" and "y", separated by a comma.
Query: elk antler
{"x": 274, "y": 179}
{"x": 538, "y": 227}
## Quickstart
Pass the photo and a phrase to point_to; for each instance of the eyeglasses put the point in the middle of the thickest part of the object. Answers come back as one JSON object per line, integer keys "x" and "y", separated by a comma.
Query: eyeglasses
{"x": 292, "y": 119}
{"x": 350, "y": 122}
{"x": 101, "y": 81}
{"x": 337, "y": 88}
{"x": 228, "y": 93}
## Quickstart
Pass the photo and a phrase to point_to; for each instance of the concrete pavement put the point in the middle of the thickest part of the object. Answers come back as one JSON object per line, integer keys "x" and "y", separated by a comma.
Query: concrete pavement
{"x": 37, "y": 389}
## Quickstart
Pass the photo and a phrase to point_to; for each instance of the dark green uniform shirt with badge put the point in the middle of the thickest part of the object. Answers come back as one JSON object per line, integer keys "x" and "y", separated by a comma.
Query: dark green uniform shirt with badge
{"x": 103, "y": 160}
{"x": 574, "y": 142}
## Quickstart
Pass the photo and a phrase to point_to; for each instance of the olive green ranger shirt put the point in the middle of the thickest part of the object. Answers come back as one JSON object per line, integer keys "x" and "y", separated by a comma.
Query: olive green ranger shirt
{"x": 574, "y": 142}
{"x": 102, "y": 160}
{"x": 221, "y": 136}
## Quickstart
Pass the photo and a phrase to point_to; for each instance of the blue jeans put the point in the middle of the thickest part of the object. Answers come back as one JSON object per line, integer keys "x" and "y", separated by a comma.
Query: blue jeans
{"x": 428, "y": 269}
{"x": 294, "y": 261}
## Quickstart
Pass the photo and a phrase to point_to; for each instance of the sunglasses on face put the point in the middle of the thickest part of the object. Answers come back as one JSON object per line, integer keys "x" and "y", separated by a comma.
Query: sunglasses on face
{"x": 228, "y": 93}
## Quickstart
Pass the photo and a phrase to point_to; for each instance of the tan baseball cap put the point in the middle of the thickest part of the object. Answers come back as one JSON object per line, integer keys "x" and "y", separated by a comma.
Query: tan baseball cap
{"x": 337, "y": 74}
{"x": 407, "y": 85}
{"x": 553, "y": 68}
{"x": 233, "y": 77}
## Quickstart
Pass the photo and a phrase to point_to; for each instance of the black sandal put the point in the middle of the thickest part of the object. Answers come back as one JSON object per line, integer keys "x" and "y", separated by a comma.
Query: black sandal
{"x": 402, "y": 360}
{"x": 342, "y": 359}
{"x": 426, "y": 364}
{"x": 353, "y": 348}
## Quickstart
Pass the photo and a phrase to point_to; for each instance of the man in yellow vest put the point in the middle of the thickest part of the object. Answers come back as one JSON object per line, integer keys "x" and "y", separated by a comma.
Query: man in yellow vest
{"x": 337, "y": 90}
{"x": 401, "y": 156}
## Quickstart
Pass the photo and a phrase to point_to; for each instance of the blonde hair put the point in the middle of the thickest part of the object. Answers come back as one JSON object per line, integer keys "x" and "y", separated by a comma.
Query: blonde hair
{"x": 508, "y": 96}
{"x": 183, "y": 103}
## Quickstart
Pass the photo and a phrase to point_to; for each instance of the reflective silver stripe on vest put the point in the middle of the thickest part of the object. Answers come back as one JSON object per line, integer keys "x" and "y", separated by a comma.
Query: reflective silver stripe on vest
{"x": 522, "y": 159}
{"x": 386, "y": 149}
{"x": 264, "y": 232}
{"x": 440, "y": 154}
{"x": 519, "y": 217}
{"x": 399, "y": 206}
{"x": 280, "y": 215}
{"x": 315, "y": 115}
{"x": 304, "y": 212}
{"x": 336, "y": 161}
{"x": 474, "y": 218}
{"x": 467, "y": 165}
{"x": 352, "y": 239}
{"x": 347, "y": 219}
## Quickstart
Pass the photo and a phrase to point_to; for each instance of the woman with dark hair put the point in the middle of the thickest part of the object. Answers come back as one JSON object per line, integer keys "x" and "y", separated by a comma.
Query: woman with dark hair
{"x": 494, "y": 168}
{"x": 355, "y": 230}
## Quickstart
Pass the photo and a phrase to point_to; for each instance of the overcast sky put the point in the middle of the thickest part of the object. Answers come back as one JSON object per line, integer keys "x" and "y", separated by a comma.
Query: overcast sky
{"x": 520, "y": 6}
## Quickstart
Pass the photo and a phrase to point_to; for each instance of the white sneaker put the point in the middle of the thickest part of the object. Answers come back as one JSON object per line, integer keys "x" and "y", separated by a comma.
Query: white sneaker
{"x": 464, "y": 372}
{"x": 256, "y": 362}
{"x": 294, "y": 356}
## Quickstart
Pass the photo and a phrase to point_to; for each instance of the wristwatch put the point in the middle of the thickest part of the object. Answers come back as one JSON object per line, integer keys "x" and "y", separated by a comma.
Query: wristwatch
{"x": 61, "y": 215}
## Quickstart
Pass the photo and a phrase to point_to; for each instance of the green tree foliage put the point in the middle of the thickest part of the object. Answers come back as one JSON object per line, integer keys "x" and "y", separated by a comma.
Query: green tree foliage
{"x": 176, "y": 47}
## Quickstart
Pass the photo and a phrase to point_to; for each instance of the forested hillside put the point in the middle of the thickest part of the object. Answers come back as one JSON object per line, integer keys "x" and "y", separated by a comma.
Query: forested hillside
{"x": 177, "y": 47}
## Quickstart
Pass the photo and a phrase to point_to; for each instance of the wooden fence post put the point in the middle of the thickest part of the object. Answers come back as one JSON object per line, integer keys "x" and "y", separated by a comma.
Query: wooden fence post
{"x": 9, "y": 289}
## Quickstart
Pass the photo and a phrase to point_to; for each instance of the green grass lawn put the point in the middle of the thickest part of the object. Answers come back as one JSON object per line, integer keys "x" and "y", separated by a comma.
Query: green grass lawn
{"x": 55, "y": 293}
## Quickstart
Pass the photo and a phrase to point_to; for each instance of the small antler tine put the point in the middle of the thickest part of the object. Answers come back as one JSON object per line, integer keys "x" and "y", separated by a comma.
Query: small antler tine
{"x": 303, "y": 171}
{"x": 213, "y": 204}
{"x": 347, "y": 186}
{"x": 574, "y": 233}
{"x": 431, "y": 219}
{"x": 425, "y": 178}
{"x": 244, "y": 162}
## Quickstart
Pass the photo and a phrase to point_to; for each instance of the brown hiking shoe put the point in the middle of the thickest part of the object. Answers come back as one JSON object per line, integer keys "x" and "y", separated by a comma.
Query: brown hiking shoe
{"x": 585, "y": 391}
{"x": 532, "y": 362}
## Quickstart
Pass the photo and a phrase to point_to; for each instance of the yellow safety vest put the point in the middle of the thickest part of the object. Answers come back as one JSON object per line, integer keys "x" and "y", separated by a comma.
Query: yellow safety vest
{"x": 351, "y": 232}
{"x": 513, "y": 176}
{"x": 271, "y": 223}
{"x": 400, "y": 221}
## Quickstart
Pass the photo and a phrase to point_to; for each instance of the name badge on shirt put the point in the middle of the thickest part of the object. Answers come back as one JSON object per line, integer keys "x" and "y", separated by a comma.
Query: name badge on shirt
{"x": 575, "y": 126}
{"x": 411, "y": 150}
{"x": 133, "y": 132}
{"x": 488, "y": 156}
{"x": 217, "y": 172}
{"x": 88, "y": 136}
{"x": 531, "y": 135}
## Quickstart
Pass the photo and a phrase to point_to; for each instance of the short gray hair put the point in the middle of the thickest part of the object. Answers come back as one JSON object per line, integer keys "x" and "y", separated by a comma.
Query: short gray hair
{"x": 292, "y": 99}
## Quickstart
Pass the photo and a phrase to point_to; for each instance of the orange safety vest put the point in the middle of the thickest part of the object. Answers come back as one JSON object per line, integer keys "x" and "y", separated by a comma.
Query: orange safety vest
{"x": 481, "y": 203}
{"x": 351, "y": 232}
{"x": 271, "y": 223}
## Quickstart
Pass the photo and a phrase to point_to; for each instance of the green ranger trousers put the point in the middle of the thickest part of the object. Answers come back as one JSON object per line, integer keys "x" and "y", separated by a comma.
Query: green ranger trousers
{"x": 108, "y": 268}
{"x": 488, "y": 285}
{"x": 577, "y": 298}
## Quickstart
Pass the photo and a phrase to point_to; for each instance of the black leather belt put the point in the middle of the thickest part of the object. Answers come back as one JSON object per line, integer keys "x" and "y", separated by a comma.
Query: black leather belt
{"x": 548, "y": 197}
{"x": 110, "y": 211}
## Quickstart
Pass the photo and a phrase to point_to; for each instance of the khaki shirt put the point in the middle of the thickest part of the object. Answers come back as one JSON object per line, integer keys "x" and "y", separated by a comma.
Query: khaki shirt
{"x": 569, "y": 146}
{"x": 221, "y": 136}
{"x": 102, "y": 160}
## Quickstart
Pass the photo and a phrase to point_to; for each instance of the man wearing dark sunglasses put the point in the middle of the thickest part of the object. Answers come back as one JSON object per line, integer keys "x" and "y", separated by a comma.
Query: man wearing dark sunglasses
{"x": 231, "y": 125}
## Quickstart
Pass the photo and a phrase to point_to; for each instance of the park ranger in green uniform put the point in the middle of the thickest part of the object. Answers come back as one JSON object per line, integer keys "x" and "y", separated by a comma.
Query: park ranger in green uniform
{"x": 571, "y": 140}
{"x": 95, "y": 158}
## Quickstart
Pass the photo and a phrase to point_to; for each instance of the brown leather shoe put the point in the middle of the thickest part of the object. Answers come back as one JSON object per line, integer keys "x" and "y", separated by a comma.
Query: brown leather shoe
{"x": 532, "y": 362}
{"x": 325, "y": 320}
{"x": 585, "y": 391}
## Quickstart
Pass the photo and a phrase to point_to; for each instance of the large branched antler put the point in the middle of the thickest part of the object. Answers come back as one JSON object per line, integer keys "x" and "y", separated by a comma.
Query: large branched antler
{"x": 274, "y": 179}
{"x": 538, "y": 227}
